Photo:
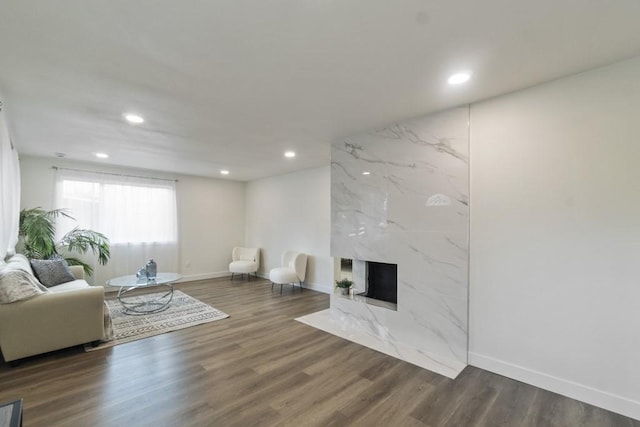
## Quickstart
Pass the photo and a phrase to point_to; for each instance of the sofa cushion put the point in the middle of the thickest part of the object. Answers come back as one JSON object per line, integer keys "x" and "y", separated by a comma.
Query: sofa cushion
{"x": 18, "y": 285}
{"x": 52, "y": 272}
{"x": 70, "y": 286}
{"x": 243, "y": 267}
{"x": 283, "y": 275}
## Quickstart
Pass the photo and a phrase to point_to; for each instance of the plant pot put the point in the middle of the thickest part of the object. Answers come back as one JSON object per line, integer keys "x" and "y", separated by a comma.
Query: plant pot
{"x": 344, "y": 291}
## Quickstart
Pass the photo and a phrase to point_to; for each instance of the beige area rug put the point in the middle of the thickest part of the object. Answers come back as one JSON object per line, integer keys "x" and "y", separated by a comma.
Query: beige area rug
{"x": 183, "y": 312}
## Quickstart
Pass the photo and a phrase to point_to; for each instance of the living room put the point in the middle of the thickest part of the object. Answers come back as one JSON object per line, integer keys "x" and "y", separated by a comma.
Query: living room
{"x": 552, "y": 210}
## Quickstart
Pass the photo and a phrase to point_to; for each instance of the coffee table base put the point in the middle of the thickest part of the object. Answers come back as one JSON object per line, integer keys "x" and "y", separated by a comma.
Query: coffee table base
{"x": 149, "y": 306}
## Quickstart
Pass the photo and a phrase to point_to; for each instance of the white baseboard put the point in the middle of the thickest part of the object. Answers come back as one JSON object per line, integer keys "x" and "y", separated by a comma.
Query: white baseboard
{"x": 204, "y": 276}
{"x": 219, "y": 274}
{"x": 184, "y": 279}
{"x": 602, "y": 399}
{"x": 318, "y": 288}
{"x": 307, "y": 285}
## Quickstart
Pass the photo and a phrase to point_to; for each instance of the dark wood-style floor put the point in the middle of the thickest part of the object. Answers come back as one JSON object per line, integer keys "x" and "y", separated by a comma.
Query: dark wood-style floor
{"x": 260, "y": 367}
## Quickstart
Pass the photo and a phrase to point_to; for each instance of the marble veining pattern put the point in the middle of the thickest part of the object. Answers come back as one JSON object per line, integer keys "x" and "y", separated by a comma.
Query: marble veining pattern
{"x": 410, "y": 209}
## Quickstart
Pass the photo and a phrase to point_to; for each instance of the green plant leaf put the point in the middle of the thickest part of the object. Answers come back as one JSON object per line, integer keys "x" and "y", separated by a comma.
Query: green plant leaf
{"x": 37, "y": 229}
{"x": 344, "y": 283}
{"x": 81, "y": 240}
{"x": 37, "y": 232}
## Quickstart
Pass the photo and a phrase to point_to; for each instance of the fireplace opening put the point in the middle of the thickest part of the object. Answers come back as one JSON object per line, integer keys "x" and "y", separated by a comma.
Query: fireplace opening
{"x": 382, "y": 282}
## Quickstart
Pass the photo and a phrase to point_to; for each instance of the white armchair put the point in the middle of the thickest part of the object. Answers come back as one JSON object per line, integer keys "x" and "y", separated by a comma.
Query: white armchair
{"x": 245, "y": 261}
{"x": 294, "y": 269}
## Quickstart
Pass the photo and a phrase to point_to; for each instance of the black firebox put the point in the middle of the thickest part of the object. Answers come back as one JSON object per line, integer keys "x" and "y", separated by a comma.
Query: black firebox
{"x": 382, "y": 281}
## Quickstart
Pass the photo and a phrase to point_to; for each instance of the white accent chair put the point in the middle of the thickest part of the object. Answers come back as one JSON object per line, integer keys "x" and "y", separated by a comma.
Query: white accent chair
{"x": 294, "y": 269}
{"x": 245, "y": 261}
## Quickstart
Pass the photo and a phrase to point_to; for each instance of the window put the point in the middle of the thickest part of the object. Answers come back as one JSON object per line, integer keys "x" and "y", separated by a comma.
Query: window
{"x": 125, "y": 209}
{"x": 138, "y": 215}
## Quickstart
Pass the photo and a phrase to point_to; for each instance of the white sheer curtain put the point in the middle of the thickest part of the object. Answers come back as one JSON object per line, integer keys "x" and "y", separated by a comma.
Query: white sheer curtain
{"x": 138, "y": 215}
{"x": 9, "y": 192}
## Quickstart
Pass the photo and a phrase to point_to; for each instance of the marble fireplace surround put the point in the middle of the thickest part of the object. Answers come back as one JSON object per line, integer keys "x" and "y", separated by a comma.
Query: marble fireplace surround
{"x": 400, "y": 195}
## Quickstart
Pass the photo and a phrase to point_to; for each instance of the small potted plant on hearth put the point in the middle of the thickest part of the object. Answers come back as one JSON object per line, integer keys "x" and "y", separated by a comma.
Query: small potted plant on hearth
{"x": 344, "y": 285}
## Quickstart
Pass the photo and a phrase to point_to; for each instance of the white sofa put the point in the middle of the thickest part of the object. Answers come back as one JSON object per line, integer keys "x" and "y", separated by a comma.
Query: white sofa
{"x": 65, "y": 315}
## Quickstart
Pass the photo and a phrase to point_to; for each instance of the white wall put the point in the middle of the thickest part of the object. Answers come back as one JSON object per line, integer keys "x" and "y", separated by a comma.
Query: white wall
{"x": 212, "y": 215}
{"x": 292, "y": 212}
{"x": 210, "y": 212}
{"x": 555, "y": 236}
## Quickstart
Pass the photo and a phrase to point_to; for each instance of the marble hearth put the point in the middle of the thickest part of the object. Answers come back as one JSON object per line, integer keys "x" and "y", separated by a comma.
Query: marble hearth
{"x": 400, "y": 195}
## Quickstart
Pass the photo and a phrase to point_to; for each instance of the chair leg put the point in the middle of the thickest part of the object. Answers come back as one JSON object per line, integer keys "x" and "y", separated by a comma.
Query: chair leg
{"x": 232, "y": 276}
{"x": 280, "y": 288}
{"x": 300, "y": 286}
{"x": 271, "y": 286}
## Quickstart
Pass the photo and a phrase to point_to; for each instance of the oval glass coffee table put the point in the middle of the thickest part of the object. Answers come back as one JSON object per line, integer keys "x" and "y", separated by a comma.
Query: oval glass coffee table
{"x": 139, "y": 303}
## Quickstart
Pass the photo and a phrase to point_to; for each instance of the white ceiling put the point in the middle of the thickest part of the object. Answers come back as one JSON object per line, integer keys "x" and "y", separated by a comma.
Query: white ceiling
{"x": 233, "y": 84}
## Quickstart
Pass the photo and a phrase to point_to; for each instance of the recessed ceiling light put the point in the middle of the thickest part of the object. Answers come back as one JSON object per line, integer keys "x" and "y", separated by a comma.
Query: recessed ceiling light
{"x": 459, "y": 78}
{"x": 289, "y": 154}
{"x": 366, "y": 173}
{"x": 133, "y": 118}
{"x": 102, "y": 155}
{"x": 224, "y": 172}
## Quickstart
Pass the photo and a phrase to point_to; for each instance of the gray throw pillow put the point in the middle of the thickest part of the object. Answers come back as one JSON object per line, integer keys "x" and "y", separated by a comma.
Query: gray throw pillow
{"x": 52, "y": 272}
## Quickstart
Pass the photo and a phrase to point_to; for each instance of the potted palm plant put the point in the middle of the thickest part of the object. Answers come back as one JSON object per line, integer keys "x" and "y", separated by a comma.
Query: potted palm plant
{"x": 344, "y": 285}
{"x": 37, "y": 234}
